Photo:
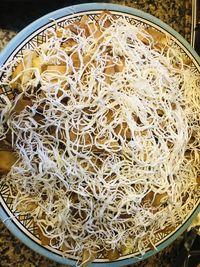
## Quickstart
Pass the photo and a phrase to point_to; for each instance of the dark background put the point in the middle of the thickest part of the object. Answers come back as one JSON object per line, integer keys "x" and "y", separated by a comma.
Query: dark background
{"x": 16, "y": 14}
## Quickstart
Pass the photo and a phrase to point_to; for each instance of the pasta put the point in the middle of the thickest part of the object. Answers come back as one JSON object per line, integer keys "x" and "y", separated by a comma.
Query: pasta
{"x": 106, "y": 129}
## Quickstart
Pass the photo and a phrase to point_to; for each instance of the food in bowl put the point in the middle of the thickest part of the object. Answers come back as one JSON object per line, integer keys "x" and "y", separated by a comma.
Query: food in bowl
{"x": 102, "y": 136}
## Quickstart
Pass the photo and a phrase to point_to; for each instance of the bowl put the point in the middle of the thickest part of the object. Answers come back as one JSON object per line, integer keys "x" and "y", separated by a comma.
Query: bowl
{"x": 20, "y": 224}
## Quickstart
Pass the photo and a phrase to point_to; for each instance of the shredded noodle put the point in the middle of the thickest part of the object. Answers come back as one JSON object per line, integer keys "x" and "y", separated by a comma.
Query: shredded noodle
{"x": 109, "y": 147}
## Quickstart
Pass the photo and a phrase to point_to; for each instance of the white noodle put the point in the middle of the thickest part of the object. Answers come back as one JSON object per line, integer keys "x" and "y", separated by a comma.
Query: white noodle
{"x": 95, "y": 200}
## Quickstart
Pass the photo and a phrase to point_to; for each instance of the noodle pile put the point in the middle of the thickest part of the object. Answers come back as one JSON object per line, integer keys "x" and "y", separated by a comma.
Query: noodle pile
{"x": 108, "y": 141}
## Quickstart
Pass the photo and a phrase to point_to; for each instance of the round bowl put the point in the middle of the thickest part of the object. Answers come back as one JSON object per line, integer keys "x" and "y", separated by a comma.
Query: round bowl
{"x": 21, "y": 225}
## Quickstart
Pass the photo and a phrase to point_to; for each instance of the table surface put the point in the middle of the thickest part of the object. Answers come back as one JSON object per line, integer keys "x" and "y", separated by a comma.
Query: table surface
{"x": 176, "y": 13}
